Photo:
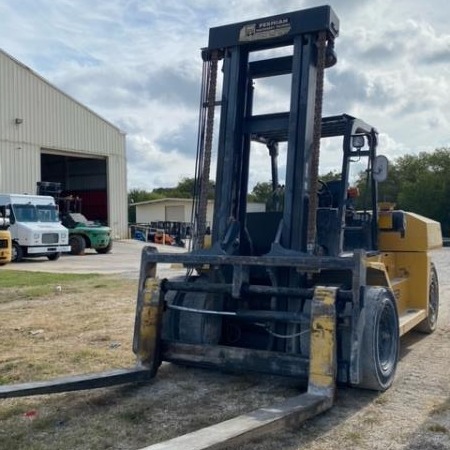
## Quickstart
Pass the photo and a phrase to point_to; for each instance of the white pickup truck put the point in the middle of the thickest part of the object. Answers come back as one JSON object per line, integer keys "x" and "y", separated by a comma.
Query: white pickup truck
{"x": 35, "y": 226}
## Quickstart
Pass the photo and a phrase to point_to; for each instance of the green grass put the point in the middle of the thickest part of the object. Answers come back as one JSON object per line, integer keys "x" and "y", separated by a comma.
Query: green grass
{"x": 353, "y": 437}
{"x": 381, "y": 400}
{"x": 18, "y": 285}
{"x": 437, "y": 428}
{"x": 17, "y": 278}
{"x": 442, "y": 408}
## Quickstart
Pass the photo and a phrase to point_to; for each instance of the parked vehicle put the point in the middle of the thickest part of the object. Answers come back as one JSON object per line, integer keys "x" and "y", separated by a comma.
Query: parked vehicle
{"x": 5, "y": 237}
{"x": 35, "y": 227}
{"x": 83, "y": 233}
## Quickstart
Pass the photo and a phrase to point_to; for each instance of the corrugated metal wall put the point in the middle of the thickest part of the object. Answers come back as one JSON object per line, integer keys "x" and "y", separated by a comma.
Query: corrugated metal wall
{"x": 175, "y": 213}
{"x": 156, "y": 210}
{"x": 51, "y": 120}
{"x": 151, "y": 212}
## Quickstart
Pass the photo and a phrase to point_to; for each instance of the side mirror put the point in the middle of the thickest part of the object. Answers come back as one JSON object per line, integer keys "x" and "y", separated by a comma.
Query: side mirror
{"x": 380, "y": 168}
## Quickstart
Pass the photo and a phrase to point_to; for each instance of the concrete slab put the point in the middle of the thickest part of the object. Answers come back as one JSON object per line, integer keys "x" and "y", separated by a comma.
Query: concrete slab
{"x": 124, "y": 259}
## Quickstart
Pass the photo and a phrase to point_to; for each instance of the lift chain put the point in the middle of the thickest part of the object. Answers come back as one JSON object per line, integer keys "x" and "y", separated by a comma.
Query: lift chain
{"x": 205, "y": 169}
{"x": 313, "y": 175}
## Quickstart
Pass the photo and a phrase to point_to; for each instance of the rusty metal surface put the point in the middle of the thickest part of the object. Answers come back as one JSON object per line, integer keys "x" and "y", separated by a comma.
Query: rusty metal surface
{"x": 76, "y": 383}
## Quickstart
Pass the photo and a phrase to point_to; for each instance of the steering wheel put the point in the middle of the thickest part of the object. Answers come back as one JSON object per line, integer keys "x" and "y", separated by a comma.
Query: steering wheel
{"x": 324, "y": 194}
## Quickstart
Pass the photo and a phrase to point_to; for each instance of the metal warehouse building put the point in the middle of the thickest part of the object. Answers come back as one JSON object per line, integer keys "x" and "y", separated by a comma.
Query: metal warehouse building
{"x": 169, "y": 210}
{"x": 178, "y": 210}
{"x": 45, "y": 135}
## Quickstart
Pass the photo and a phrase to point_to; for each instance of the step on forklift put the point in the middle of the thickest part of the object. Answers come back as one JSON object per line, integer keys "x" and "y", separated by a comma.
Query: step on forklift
{"x": 314, "y": 289}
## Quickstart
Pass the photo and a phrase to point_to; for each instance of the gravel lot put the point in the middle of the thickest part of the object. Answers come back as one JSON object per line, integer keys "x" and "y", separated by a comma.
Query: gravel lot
{"x": 414, "y": 414}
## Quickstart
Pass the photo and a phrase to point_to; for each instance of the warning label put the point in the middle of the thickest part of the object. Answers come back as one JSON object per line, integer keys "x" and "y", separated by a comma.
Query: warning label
{"x": 264, "y": 30}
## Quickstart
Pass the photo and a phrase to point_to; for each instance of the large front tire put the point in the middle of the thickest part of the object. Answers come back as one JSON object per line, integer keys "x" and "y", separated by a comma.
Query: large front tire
{"x": 16, "y": 252}
{"x": 54, "y": 256}
{"x": 381, "y": 340}
{"x": 190, "y": 327}
{"x": 106, "y": 249}
{"x": 77, "y": 244}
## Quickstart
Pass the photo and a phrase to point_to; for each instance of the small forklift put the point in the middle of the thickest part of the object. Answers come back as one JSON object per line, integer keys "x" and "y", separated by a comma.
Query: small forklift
{"x": 83, "y": 233}
{"x": 5, "y": 237}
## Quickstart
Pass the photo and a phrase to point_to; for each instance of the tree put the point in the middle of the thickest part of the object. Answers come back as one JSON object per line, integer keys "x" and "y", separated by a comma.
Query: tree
{"x": 137, "y": 196}
{"x": 186, "y": 185}
{"x": 330, "y": 176}
{"x": 425, "y": 185}
{"x": 261, "y": 192}
{"x": 417, "y": 183}
{"x": 184, "y": 189}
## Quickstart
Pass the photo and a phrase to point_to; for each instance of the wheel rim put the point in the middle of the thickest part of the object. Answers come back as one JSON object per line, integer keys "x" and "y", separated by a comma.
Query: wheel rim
{"x": 433, "y": 303}
{"x": 387, "y": 340}
{"x": 74, "y": 243}
{"x": 13, "y": 253}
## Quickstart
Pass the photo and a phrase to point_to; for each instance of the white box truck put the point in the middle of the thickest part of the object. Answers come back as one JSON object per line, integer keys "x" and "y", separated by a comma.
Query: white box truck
{"x": 35, "y": 226}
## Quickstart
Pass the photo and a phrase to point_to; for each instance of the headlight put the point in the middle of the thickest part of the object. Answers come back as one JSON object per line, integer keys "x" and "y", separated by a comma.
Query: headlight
{"x": 36, "y": 235}
{"x": 358, "y": 141}
{"x": 63, "y": 235}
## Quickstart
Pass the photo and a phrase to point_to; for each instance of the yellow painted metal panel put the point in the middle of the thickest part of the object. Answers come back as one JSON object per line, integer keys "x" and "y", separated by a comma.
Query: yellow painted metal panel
{"x": 322, "y": 364}
{"x": 422, "y": 234}
{"x": 407, "y": 274}
{"x": 149, "y": 318}
{"x": 5, "y": 248}
{"x": 410, "y": 319}
{"x": 408, "y": 277}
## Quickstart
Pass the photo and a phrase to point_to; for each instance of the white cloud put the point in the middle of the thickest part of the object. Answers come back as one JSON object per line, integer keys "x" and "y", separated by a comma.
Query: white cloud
{"x": 153, "y": 166}
{"x": 138, "y": 64}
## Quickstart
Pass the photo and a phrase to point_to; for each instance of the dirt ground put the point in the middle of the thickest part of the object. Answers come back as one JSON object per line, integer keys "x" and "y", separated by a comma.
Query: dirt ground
{"x": 414, "y": 414}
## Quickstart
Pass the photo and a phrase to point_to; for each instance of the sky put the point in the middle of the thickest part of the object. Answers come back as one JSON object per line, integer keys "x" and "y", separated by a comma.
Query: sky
{"x": 137, "y": 63}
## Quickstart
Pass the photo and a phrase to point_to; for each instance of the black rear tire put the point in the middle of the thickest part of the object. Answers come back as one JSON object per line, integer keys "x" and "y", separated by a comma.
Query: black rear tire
{"x": 170, "y": 317}
{"x": 54, "y": 256}
{"x": 16, "y": 253}
{"x": 381, "y": 340}
{"x": 77, "y": 244}
{"x": 429, "y": 324}
{"x": 189, "y": 327}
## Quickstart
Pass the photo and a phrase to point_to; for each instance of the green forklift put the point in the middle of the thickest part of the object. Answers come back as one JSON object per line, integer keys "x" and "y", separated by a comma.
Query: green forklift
{"x": 83, "y": 233}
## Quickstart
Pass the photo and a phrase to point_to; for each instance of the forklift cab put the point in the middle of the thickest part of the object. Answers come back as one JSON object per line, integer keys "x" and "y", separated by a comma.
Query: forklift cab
{"x": 340, "y": 226}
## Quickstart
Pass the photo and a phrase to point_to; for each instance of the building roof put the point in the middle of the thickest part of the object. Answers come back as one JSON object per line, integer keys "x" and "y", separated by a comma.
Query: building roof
{"x": 41, "y": 78}
{"x": 167, "y": 199}
{"x": 177, "y": 200}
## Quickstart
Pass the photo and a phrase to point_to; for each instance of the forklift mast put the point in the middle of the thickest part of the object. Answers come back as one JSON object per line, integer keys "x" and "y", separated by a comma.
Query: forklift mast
{"x": 310, "y": 33}
{"x": 67, "y": 204}
{"x": 239, "y": 126}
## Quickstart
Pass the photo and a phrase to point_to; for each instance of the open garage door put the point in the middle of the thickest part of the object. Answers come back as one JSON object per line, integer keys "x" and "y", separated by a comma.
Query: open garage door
{"x": 82, "y": 177}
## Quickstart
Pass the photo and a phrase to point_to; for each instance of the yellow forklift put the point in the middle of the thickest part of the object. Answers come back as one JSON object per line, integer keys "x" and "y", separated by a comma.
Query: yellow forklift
{"x": 315, "y": 289}
{"x": 5, "y": 237}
